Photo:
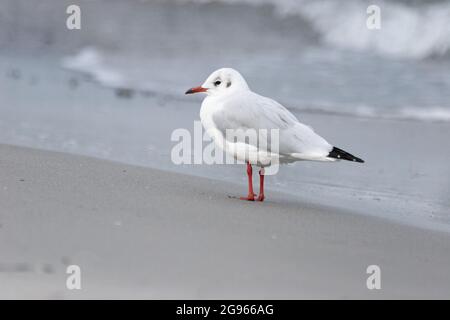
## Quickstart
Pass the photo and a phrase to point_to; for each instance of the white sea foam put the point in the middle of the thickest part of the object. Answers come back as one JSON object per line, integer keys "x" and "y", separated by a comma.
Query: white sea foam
{"x": 413, "y": 31}
{"x": 431, "y": 114}
{"x": 90, "y": 61}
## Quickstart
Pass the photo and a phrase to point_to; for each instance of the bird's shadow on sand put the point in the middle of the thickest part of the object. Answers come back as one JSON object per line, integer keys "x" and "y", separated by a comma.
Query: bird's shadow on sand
{"x": 270, "y": 201}
{"x": 280, "y": 203}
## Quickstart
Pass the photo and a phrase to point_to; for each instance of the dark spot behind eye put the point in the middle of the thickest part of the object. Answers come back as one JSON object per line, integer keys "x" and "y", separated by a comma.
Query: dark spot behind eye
{"x": 228, "y": 84}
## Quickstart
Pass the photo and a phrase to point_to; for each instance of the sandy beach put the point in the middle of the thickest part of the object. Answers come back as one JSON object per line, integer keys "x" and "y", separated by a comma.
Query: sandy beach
{"x": 141, "y": 233}
{"x": 87, "y": 176}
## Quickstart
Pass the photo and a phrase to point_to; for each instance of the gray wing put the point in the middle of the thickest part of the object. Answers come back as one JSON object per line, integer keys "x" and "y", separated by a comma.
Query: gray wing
{"x": 252, "y": 111}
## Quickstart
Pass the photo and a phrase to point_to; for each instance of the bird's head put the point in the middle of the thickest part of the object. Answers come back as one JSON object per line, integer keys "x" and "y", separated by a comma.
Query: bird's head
{"x": 220, "y": 82}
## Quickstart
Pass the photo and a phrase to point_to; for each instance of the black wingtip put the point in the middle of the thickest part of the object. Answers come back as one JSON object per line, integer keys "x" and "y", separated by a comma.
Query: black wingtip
{"x": 340, "y": 154}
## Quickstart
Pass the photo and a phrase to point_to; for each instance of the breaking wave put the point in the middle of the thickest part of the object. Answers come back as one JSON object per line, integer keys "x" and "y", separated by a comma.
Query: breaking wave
{"x": 412, "y": 30}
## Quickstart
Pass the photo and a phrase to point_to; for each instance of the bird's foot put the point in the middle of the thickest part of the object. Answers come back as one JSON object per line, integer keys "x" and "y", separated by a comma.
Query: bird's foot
{"x": 250, "y": 197}
{"x": 260, "y": 198}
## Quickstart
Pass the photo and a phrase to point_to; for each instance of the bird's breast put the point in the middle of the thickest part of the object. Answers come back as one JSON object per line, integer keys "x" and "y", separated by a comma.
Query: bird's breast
{"x": 207, "y": 110}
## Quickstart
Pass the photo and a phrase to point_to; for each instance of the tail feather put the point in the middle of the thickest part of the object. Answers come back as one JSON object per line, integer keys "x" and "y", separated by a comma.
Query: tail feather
{"x": 337, "y": 153}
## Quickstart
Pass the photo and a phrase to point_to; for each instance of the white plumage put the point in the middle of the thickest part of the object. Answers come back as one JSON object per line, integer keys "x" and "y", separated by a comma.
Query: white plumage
{"x": 236, "y": 107}
{"x": 230, "y": 106}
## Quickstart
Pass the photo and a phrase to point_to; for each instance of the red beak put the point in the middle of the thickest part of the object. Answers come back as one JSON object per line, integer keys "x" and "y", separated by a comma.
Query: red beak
{"x": 195, "y": 90}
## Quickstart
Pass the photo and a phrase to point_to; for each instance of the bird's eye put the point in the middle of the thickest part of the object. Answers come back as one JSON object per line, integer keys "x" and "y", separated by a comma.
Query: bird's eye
{"x": 217, "y": 83}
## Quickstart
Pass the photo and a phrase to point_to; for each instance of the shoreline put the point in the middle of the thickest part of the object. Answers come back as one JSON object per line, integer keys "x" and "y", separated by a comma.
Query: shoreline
{"x": 82, "y": 117}
{"x": 145, "y": 233}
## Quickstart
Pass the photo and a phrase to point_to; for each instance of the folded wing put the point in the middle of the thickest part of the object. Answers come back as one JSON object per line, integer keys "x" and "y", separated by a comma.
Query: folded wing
{"x": 260, "y": 114}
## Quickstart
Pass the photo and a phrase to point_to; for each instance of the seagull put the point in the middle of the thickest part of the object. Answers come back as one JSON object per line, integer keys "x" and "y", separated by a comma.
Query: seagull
{"x": 231, "y": 105}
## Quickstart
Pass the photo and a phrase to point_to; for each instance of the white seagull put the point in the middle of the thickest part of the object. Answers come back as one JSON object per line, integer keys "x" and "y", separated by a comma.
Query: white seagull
{"x": 231, "y": 105}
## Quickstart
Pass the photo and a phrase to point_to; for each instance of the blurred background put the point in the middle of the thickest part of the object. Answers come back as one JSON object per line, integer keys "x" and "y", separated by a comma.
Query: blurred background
{"x": 115, "y": 88}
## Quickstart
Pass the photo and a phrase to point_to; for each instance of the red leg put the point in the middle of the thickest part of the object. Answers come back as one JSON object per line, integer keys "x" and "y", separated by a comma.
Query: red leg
{"x": 261, "y": 185}
{"x": 251, "y": 195}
